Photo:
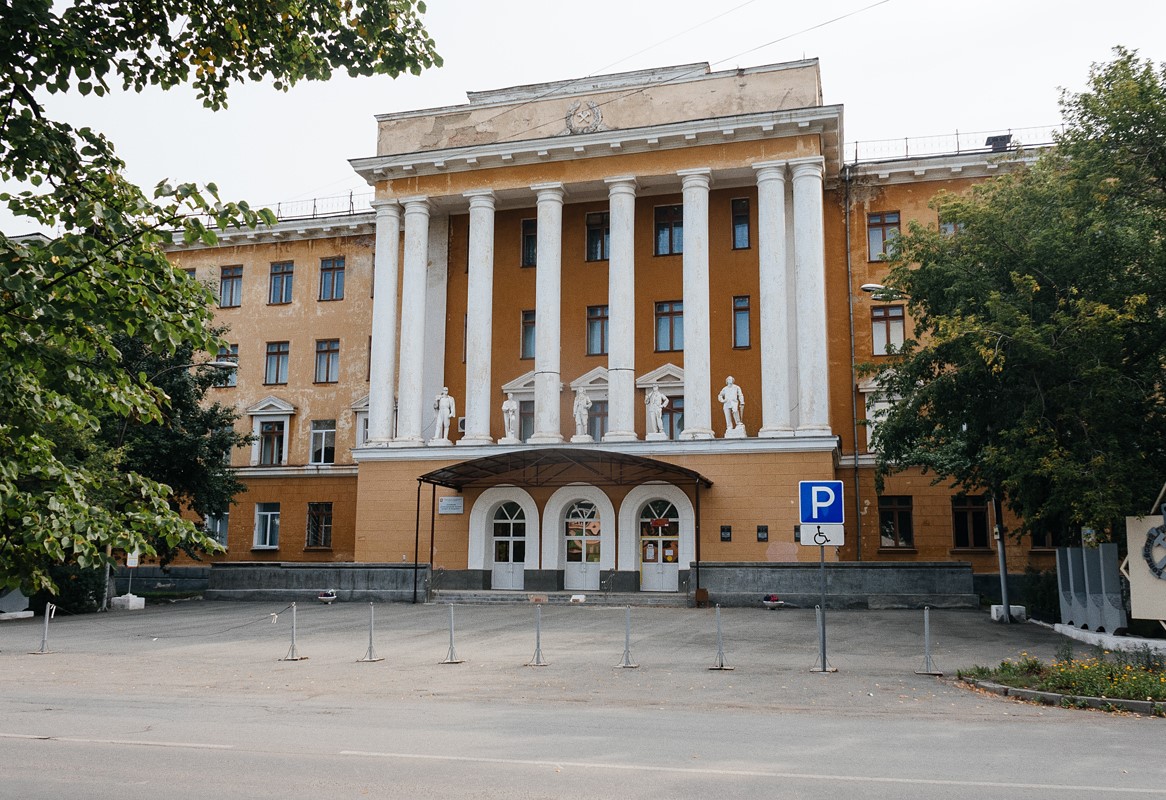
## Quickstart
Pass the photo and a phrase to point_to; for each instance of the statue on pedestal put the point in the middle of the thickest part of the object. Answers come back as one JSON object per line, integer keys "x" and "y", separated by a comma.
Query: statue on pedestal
{"x": 444, "y": 409}
{"x": 656, "y": 402}
{"x": 732, "y": 399}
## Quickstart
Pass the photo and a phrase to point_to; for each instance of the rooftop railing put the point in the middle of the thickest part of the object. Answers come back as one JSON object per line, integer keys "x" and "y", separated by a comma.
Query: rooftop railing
{"x": 997, "y": 141}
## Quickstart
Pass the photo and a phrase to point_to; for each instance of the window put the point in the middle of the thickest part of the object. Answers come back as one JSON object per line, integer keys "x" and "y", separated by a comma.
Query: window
{"x": 672, "y": 417}
{"x": 323, "y": 441}
{"x": 583, "y": 533}
{"x": 741, "y": 321}
{"x": 281, "y": 283}
{"x": 895, "y": 521}
{"x": 216, "y": 525}
{"x": 266, "y": 526}
{"x": 669, "y": 326}
{"x": 969, "y": 521}
{"x": 275, "y": 370}
{"x": 886, "y": 324}
{"x": 319, "y": 525}
{"x": 669, "y": 230}
{"x": 230, "y": 287}
{"x": 525, "y": 419}
{"x": 529, "y": 242}
{"x": 228, "y": 377}
{"x": 596, "y": 330}
{"x": 598, "y": 236}
{"x": 509, "y": 534}
{"x": 597, "y": 419}
{"x": 332, "y": 278}
{"x": 740, "y": 209}
{"x": 527, "y": 345}
{"x": 327, "y": 360}
{"x": 271, "y": 443}
{"x": 881, "y": 229}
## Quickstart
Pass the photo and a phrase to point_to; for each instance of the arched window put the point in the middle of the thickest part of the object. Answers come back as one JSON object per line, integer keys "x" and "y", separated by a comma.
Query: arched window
{"x": 583, "y": 542}
{"x": 509, "y": 533}
{"x": 659, "y": 533}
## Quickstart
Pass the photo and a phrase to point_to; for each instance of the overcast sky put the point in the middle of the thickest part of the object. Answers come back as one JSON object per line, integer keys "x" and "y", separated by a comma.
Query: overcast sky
{"x": 901, "y": 68}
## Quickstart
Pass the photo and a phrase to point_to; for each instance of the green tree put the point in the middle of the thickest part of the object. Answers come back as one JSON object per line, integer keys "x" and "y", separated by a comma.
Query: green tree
{"x": 1036, "y": 367}
{"x": 64, "y": 301}
{"x": 188, "y": 449}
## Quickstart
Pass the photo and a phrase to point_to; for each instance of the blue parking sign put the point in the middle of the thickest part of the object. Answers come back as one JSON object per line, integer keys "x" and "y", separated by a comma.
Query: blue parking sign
{"x": 820, "y": 503}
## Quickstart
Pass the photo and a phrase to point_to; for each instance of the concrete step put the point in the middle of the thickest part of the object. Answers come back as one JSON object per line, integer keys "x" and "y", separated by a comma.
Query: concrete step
{"x": 495, "y": 596}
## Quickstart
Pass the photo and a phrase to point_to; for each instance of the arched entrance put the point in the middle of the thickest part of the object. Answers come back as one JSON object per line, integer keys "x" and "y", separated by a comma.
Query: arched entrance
{"x": 659, "y": 534}
{"x": 508, "y": 530}
{"x": 583, "y": 544}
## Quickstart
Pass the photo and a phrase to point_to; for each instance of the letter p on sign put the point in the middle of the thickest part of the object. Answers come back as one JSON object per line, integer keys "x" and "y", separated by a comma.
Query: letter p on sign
{"x": 820, "y": 502}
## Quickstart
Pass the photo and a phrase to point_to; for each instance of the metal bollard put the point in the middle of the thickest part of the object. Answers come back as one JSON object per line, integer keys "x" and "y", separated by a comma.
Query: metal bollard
{"x": 720, "y": 662}
{"x": 538, "y": 661}
{"x": 292, "y": 653}
{"x": 371, "y": 654}
{"x": 626, "y": 661}
{"x": 928, "y": 667}
{"x": 451, "y": 656}
{"x": 50, "y": 612}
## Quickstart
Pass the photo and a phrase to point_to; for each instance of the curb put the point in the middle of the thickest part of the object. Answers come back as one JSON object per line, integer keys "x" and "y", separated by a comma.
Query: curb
{"x": 1147, "y": 707}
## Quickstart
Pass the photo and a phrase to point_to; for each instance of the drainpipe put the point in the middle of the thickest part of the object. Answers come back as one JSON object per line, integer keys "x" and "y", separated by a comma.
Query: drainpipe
{"x": 416, "y": 540}
{"x": 846, "y": 178}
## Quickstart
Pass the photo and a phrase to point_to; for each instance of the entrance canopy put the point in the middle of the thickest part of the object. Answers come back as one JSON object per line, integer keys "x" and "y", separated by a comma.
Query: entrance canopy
{"x": 560, "y": 466}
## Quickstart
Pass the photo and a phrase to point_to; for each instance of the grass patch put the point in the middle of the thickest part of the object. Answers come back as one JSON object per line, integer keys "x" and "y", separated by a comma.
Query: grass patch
{"x": 1136, "y": 675}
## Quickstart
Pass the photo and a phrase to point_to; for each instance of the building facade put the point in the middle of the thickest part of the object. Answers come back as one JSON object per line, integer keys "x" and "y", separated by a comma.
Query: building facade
{"x": 591, "y": 334}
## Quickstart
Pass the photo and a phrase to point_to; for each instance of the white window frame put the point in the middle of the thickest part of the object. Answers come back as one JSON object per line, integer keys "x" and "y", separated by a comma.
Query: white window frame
{"x": 270, "y": 409}
{"x": 217, "y": 525}
{"x": 323, "y": 432}
{"x": 264, "y": 517}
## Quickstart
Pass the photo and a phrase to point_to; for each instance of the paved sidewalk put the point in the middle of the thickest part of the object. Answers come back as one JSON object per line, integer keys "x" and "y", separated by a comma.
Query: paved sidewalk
{"x": 236, "y": 648}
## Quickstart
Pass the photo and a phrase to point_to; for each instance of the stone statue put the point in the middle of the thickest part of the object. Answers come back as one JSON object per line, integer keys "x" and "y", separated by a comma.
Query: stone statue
{"x": 444, "y": 409}
{"x": 582, "y": 405}
{"x": 732, "y": 399}
{"x": 656, "y": 402}
{"x": 510, "y": 416}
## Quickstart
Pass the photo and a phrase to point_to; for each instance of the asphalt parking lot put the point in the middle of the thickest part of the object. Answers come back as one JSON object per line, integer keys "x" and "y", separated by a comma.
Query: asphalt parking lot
{"x": 195, "y": 700}
{"x": 224, "y": 646}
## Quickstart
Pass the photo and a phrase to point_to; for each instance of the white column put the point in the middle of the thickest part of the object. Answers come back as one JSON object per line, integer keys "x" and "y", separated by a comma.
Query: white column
{"x": 810, "y": 277}
{"x": 697, "y": 385}
{"x": 776, "y": 419}
{"x": 548, "y": 307}
{"x": 621, "y": 312}
{"x": 383, "y": 358}
{"x": 410, "y": 403}
{"x": 479, "y": 318}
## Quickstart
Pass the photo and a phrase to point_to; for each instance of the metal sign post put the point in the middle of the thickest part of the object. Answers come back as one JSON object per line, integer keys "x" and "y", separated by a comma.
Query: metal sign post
{"x": 822, "y": 515}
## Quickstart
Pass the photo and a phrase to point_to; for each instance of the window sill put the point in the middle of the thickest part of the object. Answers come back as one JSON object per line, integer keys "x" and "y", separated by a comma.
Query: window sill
{"x": 324, "y": 383}
{"x": 908, "y": 550}
{"x": 322, "y": 464}
{"x": 265, "y": 548}
{"x": 329, "y": 299}
{"x": 972, "y": 550}
{"x": 327, "y": 549}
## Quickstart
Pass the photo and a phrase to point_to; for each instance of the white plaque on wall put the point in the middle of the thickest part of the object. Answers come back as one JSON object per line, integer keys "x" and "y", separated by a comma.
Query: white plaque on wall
{"x": 451, "y": 505}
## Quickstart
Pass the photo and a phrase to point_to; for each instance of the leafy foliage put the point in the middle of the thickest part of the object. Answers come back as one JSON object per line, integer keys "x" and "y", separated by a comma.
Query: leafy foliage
{"x": 187, "y": 449}
{"x": 64, "y": 302}
{"x": 1037, "y": 361}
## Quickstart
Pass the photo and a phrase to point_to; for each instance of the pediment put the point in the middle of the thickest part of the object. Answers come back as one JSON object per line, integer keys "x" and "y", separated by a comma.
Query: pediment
{"x": 668, "y": 376}
{"x": 360, "y": 405}
{"x": 594, "y": 379}
{"x": 523, "y": 384}
{"x": 271, "y": 405}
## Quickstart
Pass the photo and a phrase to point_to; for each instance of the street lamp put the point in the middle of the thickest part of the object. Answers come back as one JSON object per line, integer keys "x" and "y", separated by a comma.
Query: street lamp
{"x": 219, "y": 364}
{"x": 883, "y": 293}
